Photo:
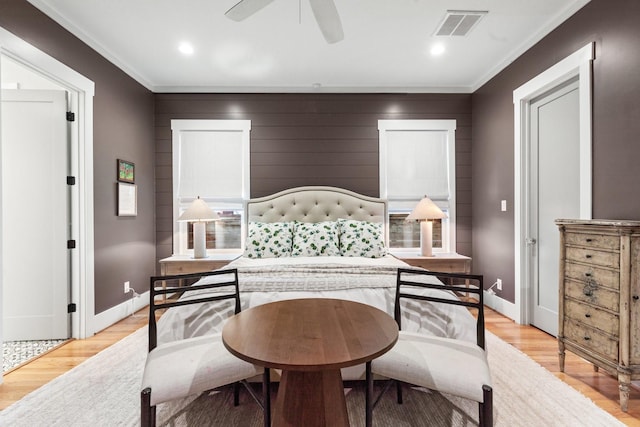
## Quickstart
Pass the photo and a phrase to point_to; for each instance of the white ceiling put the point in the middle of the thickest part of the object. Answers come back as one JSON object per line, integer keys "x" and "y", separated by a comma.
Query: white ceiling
{"x": 386, "y": 46}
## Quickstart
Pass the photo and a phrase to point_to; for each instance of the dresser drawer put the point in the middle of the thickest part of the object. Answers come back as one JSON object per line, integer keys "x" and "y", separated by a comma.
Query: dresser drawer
{"x": 591, "y": 339}
{"x": 592, "y": 316}
{"x": 603, "y": 277}
{"x": 593, "y": 256}
{"x": 601, "y": 297}
{"x": 592, "y": 240}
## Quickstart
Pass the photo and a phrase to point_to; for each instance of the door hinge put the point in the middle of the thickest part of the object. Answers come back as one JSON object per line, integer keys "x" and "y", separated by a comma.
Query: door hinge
{"x": 71, "y": 116}
{"x": 71, "y": 308}
{"x": 71, "y": 244}
{"x": 71, "y": 180}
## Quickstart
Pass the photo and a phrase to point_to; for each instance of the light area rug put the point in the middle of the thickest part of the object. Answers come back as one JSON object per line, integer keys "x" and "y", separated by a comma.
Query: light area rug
{"x": 104, "y": 391}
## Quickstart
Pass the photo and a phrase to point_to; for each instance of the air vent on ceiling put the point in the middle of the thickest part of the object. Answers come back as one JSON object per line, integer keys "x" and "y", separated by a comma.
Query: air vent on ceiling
{"x": 459, "y": 22}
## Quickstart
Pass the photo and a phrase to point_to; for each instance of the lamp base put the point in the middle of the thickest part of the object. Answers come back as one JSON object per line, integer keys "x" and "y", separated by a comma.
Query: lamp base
{"x": 426, "y": 238}
{"x": 199, "y": 239}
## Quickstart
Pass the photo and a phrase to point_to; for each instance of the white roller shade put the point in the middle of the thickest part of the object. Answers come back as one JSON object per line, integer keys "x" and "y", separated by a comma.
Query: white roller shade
{"x": 417, "y": 164}
{"x": 210, "y": 164}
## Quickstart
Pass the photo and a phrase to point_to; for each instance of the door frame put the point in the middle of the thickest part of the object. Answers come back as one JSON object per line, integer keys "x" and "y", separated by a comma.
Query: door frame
{"x": 81, "y": 91}
{"x": 577, "y": 64}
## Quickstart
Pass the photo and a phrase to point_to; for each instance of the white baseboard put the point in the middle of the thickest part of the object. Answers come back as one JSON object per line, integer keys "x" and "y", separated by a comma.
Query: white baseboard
{"x": 500, "y": 305}
{"x": 115, "y": 314}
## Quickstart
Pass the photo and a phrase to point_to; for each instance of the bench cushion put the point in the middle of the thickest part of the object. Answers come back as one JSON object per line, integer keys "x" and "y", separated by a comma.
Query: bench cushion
{"x": 191, "y": 366}
{"x": 442, "y": 364}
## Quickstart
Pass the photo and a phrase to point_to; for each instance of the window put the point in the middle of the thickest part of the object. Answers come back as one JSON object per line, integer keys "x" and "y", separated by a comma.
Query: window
{"x": 417, "y": 159}
{"x": 211, "y": 161}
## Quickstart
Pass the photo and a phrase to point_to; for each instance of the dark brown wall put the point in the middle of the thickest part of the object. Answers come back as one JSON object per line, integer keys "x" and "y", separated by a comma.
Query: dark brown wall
{"x": 123, "y": 128}
{"x": 613, "y": 26}
{"x": 312, "y": 139}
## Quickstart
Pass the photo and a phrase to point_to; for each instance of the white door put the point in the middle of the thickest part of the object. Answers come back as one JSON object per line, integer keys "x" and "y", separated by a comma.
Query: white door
{"x": 554, "y": 193}
{"x": 35, "y": 222}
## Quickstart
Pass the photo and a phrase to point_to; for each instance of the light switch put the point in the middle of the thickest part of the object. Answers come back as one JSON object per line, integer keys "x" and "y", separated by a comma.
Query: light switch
{"x": 503, "y": 205}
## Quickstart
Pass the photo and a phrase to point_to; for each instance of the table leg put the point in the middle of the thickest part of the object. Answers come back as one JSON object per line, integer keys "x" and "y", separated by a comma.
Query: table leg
{"x": 311, "y": 399}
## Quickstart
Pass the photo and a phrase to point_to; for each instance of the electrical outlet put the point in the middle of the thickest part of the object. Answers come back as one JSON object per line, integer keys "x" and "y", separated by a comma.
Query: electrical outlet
{"x": 499, "y": 284}
{"x": 127, "y": 287}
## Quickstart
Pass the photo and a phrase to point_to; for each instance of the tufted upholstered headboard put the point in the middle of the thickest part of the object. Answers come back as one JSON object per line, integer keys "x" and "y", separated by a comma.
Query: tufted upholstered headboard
{"x": 316, "y": 204}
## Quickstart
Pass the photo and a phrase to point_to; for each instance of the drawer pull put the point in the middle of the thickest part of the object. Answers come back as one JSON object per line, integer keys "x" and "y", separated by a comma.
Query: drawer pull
{"x": 587, "y": 274}
{"x": 588, "y": 256}
{"x": 589, "y": 286}
{"x": 587, "y": 338}
{"x": 587, "y": 315}
{"x": 589, "y": 240}
{"x": 635, "y": 297}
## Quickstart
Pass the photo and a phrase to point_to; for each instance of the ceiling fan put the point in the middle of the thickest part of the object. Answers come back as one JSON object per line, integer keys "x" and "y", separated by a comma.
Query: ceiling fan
{"x": 324, "y": 11}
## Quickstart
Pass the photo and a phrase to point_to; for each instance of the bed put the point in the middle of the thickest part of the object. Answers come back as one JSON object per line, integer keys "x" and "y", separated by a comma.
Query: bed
{"x": 318, "y": 242}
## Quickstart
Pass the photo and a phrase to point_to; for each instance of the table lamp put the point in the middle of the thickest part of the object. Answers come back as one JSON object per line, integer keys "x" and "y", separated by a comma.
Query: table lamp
{"x": 425, "y": 211}
{"x": 199, "y": 213}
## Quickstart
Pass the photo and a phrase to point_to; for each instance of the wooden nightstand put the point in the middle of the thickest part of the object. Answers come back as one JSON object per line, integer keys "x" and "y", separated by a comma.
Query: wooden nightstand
{"x": 444, "y": 262}
{"x": 182, "y": 264}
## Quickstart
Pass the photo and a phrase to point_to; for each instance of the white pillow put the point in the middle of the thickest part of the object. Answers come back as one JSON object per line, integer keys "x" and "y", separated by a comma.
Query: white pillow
{"x": 315, "y": 239}
{"x": 269, "y": 240}
{"x": 361, "y": 239}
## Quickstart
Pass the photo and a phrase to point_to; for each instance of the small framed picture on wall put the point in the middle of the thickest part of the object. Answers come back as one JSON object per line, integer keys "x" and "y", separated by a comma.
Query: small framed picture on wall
{"x": 126, "y": 171}
{"x": 127, "y": 199}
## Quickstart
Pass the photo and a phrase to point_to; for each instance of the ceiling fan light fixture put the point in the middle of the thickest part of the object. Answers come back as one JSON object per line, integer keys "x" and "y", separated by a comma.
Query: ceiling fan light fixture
{"x": 324, "y": 11}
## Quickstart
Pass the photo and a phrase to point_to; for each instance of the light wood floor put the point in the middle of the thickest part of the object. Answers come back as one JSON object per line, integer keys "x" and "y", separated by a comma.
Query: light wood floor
{"x": 541, "y": 347}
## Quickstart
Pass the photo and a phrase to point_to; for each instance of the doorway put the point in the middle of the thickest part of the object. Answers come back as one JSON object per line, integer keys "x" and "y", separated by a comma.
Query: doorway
{"x": 530, "y": 213}
{"x": 81, "y": 92}
{"x": 554, "y": 179}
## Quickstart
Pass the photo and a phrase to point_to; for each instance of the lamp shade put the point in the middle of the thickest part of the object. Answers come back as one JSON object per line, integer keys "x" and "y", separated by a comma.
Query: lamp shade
{"x": 426, "y": 209}
{"x": 198, "y": 211}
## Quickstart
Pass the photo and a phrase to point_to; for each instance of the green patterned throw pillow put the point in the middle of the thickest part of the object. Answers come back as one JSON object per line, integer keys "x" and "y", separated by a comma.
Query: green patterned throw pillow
{"x": 315, "y": 239}
{"x": 361, "y": 239}
{"x": 269, "y": 240}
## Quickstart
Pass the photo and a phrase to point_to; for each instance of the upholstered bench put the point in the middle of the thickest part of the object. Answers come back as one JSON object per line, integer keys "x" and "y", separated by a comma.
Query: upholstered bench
{"x": 446, "y": 365}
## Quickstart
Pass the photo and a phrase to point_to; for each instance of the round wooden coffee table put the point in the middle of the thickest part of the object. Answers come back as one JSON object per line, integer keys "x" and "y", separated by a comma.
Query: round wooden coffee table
{"x": 310, "y": 339}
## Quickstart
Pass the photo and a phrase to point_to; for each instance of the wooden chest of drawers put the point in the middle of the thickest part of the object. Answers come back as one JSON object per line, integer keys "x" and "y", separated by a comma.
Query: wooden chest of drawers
{"x": 599, "y": 313}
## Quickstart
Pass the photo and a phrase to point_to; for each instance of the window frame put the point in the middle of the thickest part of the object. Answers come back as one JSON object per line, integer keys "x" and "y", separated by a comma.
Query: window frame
{"x": 178, "y": 126}
{"x": 400, "y": 206}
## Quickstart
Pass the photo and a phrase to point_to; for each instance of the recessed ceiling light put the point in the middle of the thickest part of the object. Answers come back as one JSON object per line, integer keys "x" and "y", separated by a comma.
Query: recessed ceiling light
{"x": 437, "y": 49}
{"x": 186, "y": 48}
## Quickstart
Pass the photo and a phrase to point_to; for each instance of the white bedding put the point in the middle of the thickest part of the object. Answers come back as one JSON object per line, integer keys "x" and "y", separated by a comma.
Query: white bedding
{"x": 367, "y": 280}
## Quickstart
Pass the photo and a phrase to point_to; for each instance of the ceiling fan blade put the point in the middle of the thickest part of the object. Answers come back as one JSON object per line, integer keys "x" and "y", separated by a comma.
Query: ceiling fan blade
{"x": 328, "y": 19}
{"x": 245, "y": 8}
